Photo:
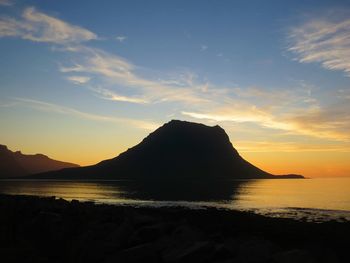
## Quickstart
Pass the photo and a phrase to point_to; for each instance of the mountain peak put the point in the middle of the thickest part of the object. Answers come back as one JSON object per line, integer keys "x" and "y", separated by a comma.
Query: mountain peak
{"x": 15, "y": 164}
{"x": 178, "y": 150}
{"x": 3, "y": 147}
{"x": 182, "y": 136}
{"x": 178, "y": 125}
{"x": 182, "y": 124}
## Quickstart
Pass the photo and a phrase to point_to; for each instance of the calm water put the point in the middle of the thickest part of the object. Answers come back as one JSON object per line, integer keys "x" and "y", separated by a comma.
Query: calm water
{"x": 309, "y": 199}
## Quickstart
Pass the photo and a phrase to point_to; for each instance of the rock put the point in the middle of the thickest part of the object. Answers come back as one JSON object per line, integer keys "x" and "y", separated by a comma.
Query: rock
{"x": 232, "y": 245}
{"x": 122, "y": 234}
{"x": 34, "y": 229}
{"x": 75, "y": 202}
{"x": 185, "y": 235}
{"x": 48, "y": 225}
{"x": 139, "y": 219}
{"x": 292, "y": 256}
{"x": 198, "y": 252}
{"x": 147, "y": 234}
{"x": 141, "y": 253}
{"x": 255, "y": 250}
{"x": 221, "y": 253}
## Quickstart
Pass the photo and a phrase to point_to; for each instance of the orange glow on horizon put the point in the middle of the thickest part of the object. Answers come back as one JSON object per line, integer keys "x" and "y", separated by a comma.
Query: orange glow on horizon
{"x": 309, "y": 164}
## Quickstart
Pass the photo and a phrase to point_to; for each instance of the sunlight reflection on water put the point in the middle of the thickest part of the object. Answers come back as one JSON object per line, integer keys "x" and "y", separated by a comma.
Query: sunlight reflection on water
{"x": 309, "y": 199}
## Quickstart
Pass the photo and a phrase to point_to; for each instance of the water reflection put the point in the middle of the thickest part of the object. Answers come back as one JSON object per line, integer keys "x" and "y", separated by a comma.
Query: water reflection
{"x": 325, "y": 193}
{"x": 85, "y": 191}
{"x": 181, "y": 190}
{"x": 117, "y": 191}
{"x": 316, "y": 199}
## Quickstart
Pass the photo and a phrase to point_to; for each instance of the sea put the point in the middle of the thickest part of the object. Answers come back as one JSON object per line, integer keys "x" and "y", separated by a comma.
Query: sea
{"x": 316, "y": 200}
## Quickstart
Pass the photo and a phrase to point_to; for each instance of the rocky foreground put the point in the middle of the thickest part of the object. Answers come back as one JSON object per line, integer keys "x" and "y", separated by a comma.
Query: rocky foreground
{"x": 34, "y": 229}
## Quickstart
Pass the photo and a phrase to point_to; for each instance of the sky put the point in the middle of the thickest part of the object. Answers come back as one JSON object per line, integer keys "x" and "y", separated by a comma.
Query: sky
{"x": 83, "y": 81}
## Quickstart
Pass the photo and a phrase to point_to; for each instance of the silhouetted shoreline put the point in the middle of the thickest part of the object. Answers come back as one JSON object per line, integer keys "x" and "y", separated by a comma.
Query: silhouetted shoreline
{"x": 37, "y": 229}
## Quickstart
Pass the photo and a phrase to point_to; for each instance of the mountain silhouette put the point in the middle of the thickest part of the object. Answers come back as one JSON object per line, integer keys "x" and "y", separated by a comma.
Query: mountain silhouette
{"x": 16, "y": 164}
{"x": 178, "y": 150}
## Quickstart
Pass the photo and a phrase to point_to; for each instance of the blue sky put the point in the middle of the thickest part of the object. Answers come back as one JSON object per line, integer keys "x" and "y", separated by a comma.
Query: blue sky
{"x": 89, "y": 74}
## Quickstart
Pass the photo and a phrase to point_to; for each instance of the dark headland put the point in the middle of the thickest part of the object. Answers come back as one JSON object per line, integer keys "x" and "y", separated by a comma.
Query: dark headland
{"x": 17, "y": 164}
{"x": 178, "y": 150}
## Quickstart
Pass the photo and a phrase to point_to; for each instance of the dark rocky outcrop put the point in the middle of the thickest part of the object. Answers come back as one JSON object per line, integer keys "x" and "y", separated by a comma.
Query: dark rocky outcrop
{"x": 36, "y": 229}
{"x": 16, "y": 164}
{"x": 178, "y": 150}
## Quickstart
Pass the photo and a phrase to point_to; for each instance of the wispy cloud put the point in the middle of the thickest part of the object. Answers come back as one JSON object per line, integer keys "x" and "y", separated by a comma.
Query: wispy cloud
{"x": 240, "y": 113}
{"x": 323, "y": 40}
{"x": 331, "y": 122}
{"x": 344, "y": 94}
{"x": 93, "y": 62}
{"x": 289, "y": 146}
{"x": 114, "y": 69}
{"x": 296, "y": 112}
{"x": 121, "y": 39}
{"x": 117, "y": 79}
{"x": 315, "y": 122}
{"x": 79, "y": 79}
{"x": 7, "y": 2}
{"x": 51, "y": 107}
{"x": 39, "y": 27}
{"x": 113, "y": 96}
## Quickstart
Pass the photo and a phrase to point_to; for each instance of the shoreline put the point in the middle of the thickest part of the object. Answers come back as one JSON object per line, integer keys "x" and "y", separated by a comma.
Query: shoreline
{"x": 46, "y": 229}
{"x": 301, "y": 214}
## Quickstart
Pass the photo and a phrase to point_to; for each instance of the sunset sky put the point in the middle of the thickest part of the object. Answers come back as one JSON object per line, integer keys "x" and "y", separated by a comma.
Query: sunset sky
{"x": 82, "y": 81}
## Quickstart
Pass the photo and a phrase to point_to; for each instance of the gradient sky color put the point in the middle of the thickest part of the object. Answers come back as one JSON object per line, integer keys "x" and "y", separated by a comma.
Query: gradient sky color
{"x": 82, "y": 81}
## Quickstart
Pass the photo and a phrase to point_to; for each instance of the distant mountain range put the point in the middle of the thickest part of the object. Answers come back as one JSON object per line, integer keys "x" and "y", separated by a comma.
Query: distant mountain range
{"x": 16, "y": 164}
{"x": 178, "y": 150}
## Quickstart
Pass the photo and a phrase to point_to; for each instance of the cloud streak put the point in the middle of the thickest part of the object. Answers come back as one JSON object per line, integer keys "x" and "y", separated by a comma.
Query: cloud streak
{"x": 114, "y": 69}
{"x": 80, "y": 80}
{"x": 6, "y": 2}
{"x": 109, "y": 68}
{"x": 315, "y": 122}
{"x": 113, "y": 96}
{"x": 287, "y": 146}
{"x": 121, "y": 39}
{"x": 296, "y": 113}
{"x": 55, "y": 108}
{"x": 204, "y": 47}
{"x": 39, "y": 27}
{"x": 324, "y": 41}
{"x": 117, "y": 79}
